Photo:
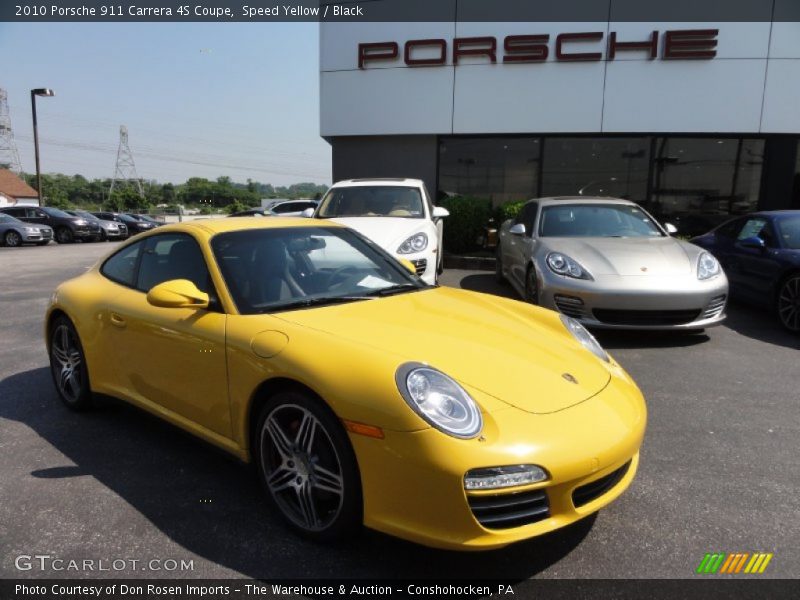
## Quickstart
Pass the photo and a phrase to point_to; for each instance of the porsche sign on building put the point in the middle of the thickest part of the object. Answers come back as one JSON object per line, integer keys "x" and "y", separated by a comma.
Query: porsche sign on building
{"x": 689, "y": 108}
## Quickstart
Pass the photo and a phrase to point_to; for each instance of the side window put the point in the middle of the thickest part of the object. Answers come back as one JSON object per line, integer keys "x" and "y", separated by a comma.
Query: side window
{"x": 756, "y": 228}
{"x": 172, "y": 256}
{"x": 287, "y": 207}
{"x": 32, "y": 213}
{"x": 730, "y": 229}
{"x": 121, "y": 267}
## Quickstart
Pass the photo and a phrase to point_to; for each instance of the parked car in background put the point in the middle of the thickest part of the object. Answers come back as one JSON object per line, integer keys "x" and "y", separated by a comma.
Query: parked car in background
{"x": 760, "y": 253}
{"x": 14, "y": 232}
{"x": 67, "y": 228}
{"x": 280, "y": 208}
{"x": 109, "y": 230}
{"x": 146, "y": 219}
{"x": 461, "y": 421}
{"x": 134, "y": 225}
{"x": 609, "y": 264}
{"x": 397, "y": 214}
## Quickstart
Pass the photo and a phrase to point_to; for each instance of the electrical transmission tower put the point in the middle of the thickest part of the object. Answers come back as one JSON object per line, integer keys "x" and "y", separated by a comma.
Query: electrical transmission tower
{"x": 9, "y": 155}
{"x": 125, "y": 171}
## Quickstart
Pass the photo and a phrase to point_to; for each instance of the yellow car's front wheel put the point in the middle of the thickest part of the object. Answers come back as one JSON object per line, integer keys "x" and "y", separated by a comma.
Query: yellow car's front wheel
{"x": 308, "y": 467}
{"x": 68, "y": 365}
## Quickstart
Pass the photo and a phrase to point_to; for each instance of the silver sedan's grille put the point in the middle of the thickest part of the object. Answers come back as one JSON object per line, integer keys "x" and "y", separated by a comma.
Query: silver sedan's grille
{"x": 570, "y": 306}
{"x": 715, "y": 307}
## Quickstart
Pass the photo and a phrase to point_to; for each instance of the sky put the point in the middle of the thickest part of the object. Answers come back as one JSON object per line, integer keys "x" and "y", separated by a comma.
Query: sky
{"x": 198, "y": 99}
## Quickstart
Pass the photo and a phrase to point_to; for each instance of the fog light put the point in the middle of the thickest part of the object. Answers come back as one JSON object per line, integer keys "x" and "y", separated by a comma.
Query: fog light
{"x": 492, "y": 478}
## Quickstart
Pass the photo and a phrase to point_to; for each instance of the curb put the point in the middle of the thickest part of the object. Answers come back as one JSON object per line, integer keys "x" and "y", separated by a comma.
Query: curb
{"x": 469, "y": 263}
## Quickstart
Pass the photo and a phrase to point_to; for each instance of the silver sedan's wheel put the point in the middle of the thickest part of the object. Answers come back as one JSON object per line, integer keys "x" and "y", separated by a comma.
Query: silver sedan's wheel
{"x": 789, "y": 303}
{"x": 307, "y": 467}
{"x": 68, "y": 365}
{"x": 531, "y": 286}
{"x": 12, "y": 239}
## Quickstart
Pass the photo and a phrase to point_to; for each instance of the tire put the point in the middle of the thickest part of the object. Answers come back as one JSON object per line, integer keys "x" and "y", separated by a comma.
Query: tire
{"x": 498, "y": 265}
{"x": 787, "y": 303}
{"x": 68, "y": 365}
{"x": 64, "y": 235}
{"x": 12, "y": 239}
{"x": 307, "y": 466}
{"x": 531, "y": 286}
{"x": 103, "y": 236}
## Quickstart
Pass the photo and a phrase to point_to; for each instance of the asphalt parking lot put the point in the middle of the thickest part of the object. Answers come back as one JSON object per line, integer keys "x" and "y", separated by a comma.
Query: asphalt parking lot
{"x": 720, "y": 468}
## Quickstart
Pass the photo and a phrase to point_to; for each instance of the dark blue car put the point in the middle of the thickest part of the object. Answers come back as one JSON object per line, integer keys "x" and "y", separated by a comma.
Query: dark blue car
{"x": 760, "y": 253}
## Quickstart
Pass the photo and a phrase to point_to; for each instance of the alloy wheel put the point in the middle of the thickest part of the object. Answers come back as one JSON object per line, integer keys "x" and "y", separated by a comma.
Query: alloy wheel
{"x": 13, "y": 239}
{"x": 67, "y": 364}
{"x": 301, "y": 467}
{"x": 63, "y": 235}
{"x": 789, "y": 303}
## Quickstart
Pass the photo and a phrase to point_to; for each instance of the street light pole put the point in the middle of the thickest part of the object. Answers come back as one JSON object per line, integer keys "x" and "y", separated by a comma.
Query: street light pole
{"x": 34, "y": 93}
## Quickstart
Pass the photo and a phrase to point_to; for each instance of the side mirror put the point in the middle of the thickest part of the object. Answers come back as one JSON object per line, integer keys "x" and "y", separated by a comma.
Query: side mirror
{"x": 408, "y": 265}
{"x": 307, "y": 213}
{"x": 671, "y": 229}
{"x": 439, "y": 212}
{"x": 518, "y": 229}
{"x": 754, "y": 242}
{"x": 177, "y": 293}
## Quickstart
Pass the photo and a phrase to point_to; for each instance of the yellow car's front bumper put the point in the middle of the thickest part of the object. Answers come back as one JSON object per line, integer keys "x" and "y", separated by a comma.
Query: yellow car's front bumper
{"x": 413, "y": 483}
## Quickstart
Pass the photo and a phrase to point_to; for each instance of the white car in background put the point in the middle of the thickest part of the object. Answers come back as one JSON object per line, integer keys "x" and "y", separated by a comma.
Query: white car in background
{"x": 396, "y": 214}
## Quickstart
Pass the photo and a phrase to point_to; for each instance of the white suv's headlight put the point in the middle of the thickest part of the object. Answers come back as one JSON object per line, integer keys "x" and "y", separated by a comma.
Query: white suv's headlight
{"x": 580, "y": 333}
{"x": 561, "y": 264}
{"x": 416, "y": 243}
{"x": 439, "y": 400}
{"x": 707, "y": 266}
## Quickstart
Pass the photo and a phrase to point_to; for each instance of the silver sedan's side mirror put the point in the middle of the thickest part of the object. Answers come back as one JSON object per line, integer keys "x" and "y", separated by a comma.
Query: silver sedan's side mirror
{"x": 518, "y": 229}
{"x": 671, "y": 229}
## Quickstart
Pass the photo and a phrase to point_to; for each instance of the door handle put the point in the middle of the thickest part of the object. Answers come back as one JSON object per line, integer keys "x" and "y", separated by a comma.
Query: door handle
{"x": 117, "y": 320}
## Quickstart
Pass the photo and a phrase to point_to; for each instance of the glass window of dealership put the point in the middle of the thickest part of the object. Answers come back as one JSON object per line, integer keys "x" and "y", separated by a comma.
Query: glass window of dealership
{"x": 699, "y": 180}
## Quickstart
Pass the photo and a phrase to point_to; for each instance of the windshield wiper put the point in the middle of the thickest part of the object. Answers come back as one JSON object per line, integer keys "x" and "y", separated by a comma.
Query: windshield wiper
{"x": 396, "y": 289}
{"x": 309, "y": 302}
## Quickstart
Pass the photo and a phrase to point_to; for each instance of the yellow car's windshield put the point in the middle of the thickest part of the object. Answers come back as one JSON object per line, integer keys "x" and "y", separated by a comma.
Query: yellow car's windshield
{"x": 274, "y": 269}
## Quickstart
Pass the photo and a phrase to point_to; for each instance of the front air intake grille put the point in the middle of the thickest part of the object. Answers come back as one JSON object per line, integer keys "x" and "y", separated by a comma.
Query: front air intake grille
{"x": 570, "y": 306}
{"x": 504, "y": 511}
{"x": 595, "y": 489}
{"x": 421, "y": 264}
{"x": 715, "y": 307}
{"x": 645, "y": 317}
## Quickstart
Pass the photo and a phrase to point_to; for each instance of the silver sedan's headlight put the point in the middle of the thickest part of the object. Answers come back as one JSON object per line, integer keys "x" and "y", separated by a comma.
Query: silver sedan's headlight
{"x": 561, "y": 264}
{"x": 707, "y": 266}
{"x": 32, "y": 229}
{"x": 416, "y": 243}
{"x": 580, "y": 333}
{"x": 439, "y": 400}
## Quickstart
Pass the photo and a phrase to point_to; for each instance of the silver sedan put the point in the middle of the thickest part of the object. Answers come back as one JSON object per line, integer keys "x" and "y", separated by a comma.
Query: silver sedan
{"x": 609, "y": 264}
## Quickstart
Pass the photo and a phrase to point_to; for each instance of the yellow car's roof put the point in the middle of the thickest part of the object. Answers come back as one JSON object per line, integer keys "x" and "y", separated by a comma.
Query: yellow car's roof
{"x": 221, "y": 225}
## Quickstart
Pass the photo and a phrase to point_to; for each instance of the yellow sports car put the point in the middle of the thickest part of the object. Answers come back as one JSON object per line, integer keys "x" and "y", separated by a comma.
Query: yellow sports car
{"x": 364, "y": 396}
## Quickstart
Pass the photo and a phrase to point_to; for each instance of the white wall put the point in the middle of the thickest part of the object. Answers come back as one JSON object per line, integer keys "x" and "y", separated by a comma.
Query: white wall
{"x": 751, "y": 86}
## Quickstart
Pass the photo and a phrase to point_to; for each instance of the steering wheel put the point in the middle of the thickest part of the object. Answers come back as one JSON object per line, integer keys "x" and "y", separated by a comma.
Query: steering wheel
{"x": 341, "y": 273}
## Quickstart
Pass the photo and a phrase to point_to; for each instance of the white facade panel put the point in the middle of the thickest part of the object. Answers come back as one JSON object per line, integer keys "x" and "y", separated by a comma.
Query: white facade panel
{"x": 528, "y": 98}
{"x": 782, "y": 97}
{"x": 684, "y": 96}
{"x": 785, "y": 42}
{"x": 386, "y": 101}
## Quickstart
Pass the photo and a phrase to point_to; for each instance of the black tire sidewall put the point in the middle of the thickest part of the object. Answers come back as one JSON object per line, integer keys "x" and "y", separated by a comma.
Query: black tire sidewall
{"x": 64, "y": 235}
{"x": 782, "y": 285}
{"x": 84, "y": 402}
{"x": 531, "y": 272}
{"x": 350, "y": 517}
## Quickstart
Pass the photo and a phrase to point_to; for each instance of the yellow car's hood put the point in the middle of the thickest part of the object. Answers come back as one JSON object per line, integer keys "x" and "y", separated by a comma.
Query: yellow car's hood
{"x": 516, "y": 353}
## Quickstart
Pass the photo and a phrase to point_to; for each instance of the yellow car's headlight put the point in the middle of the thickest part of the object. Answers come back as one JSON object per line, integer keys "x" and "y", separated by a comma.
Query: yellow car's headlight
{"x": 439, "y": 400}
{"x": 587, "y": 340}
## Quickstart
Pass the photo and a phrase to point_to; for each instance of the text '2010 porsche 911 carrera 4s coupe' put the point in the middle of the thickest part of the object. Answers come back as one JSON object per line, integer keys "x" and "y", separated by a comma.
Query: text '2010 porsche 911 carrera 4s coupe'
{"x": 364, "y": 395}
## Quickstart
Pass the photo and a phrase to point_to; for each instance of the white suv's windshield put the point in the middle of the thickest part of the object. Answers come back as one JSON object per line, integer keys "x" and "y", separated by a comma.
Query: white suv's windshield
{"x": 372, "y": 201}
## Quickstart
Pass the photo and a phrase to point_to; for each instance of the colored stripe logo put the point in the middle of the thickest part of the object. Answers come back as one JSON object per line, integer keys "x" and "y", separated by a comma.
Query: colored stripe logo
{"x": 735, "y": 562}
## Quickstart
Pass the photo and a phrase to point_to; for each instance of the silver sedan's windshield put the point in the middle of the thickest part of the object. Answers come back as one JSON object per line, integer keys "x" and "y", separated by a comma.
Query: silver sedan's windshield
{"x": 269, "y": 270}
{"x": 372, "y": 201}
{"x": 597, "y": 220}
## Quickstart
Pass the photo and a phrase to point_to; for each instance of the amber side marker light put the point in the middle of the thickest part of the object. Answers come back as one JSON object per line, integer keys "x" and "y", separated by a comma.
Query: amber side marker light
{"x": 363, "y": 429}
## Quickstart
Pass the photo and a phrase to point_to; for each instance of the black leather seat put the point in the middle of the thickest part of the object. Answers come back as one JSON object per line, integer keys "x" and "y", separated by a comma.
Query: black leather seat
{"x": 270, "y": 278}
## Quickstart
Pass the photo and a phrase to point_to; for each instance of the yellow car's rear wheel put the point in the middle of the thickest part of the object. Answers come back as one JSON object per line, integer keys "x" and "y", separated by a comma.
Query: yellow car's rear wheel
{"x": 307, "y": 466}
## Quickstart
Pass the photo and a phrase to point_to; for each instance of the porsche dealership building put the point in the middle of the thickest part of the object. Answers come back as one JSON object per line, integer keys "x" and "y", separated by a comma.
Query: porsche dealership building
{"x": 692, "y": 112}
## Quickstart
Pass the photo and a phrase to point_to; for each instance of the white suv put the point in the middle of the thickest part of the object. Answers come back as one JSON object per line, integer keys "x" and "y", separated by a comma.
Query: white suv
{"x": 396, "y": 214}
